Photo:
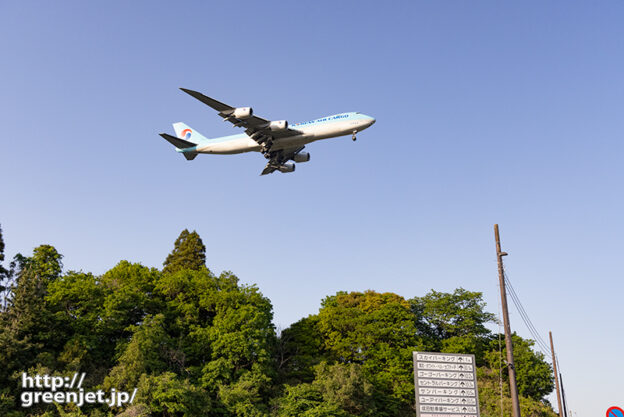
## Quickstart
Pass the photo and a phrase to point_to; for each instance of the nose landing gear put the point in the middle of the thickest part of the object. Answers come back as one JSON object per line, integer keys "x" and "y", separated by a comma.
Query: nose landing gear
{"x": 353, "y": 135}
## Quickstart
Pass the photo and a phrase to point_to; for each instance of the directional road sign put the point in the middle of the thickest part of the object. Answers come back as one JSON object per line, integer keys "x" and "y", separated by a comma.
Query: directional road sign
{"x": 446, "y": 385}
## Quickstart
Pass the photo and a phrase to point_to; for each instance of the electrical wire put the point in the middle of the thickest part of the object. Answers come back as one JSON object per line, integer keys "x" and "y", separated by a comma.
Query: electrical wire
{"x": 525, "y": 317}
{"x": 531, "y": 327}
{"x": 540, "y": 343}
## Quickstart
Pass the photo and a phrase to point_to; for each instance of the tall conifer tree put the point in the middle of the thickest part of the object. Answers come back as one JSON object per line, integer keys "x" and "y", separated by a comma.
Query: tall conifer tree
{"x": 189, "y": 252}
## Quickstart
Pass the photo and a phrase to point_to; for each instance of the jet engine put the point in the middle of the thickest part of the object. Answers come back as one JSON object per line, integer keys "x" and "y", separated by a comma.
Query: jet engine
{"x": 278, "y": 125}
{"x": 243, "y": 112}
{"x": 301, "y": 157}
{"x": 287, "y": 167}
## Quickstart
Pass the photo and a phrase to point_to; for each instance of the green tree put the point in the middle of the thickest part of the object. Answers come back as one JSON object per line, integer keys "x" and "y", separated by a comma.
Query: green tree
{"x": 45, "y": 263}
{"x": 3, "y": 270}
{"x": 346, "y": 385}
{"x": 76, "y": 300}
{"x": 196, "y": 343}
{"x": 374, "y": 330}
{"x": 490, "y": 398}
{"x": 224, "y": 328}
{"x": 130, "y": 295}
{"x": 299, "y": 349}
{"x": 150, "y": 352}
{"x": 168, "y": 394}
{"x": 189, "y": 252}
{"x": 454, "y": 322}
{"x": 306, "y": 400}
{"x": 5, "y": 278}
{"x": 337, "y": 390}
{"x": 534, "y": 375}
{"x": 211, "y": 338}
{"x": 29, "y": 334}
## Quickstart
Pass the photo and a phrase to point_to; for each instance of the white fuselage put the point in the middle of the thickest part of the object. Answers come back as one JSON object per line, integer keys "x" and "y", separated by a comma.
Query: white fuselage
{"x": 324, "y": 128}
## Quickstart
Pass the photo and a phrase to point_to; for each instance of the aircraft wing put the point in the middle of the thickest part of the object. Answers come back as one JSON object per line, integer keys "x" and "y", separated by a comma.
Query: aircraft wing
{"x": 277, "y": 158}
{"x": 256, "y": 127}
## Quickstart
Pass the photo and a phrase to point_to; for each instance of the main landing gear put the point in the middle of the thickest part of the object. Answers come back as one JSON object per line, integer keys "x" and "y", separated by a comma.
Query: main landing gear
{"x": 353, "y": 135}
{"x": 265, "y": 147}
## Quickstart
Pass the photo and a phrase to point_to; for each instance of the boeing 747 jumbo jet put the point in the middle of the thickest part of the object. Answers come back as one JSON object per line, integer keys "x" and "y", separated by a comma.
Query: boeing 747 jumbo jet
{"x": 278, "y": 141}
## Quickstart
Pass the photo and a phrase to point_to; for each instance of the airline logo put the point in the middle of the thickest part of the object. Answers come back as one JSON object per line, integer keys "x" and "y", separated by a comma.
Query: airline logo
{"x": 186, "y": 134}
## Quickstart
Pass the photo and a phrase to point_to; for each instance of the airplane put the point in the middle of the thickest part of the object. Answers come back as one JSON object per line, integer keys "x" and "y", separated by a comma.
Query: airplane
{"x": 279, "y": 141}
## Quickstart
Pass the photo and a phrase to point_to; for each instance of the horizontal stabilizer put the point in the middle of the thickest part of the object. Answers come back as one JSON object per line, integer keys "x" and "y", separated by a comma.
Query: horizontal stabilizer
{"x": 180, "y": 144}
{"x": 177, "y": 142}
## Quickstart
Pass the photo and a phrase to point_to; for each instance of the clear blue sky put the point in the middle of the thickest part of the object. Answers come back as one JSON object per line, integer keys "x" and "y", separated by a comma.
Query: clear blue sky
{"x": 486, "y": 113}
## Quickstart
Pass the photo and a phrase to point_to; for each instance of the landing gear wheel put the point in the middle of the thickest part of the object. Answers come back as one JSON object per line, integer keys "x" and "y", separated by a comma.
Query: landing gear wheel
{"x": 353, "y": 135}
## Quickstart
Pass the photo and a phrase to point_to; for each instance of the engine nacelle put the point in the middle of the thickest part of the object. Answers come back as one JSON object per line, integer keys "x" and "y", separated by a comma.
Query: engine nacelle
{"x": 301, "y": 157}
{"x": 287, "y": 167}
{"x": 243, "y": 112}
{"x": 278, "y": 125}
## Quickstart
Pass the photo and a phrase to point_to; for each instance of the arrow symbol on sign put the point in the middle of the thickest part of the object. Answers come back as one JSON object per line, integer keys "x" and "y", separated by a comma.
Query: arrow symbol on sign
{"x": 462, "y": 383}
{"x": 464, "y": 409}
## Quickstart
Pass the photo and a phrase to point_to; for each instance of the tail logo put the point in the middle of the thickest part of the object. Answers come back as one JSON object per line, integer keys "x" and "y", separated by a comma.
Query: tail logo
{"x": 186, "y": 134}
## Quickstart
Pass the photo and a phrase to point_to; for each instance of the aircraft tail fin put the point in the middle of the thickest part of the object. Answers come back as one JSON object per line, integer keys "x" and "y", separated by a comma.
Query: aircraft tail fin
{"x": 187, "y": 133}
{"x": 186, "y": 141}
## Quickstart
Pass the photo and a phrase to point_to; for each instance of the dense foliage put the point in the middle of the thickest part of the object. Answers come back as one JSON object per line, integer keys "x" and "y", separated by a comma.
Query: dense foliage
{"x": 196, "y": 343}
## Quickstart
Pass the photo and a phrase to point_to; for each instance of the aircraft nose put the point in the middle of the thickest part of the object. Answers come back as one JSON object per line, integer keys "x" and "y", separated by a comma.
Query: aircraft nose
{"x": 372, "y": 121}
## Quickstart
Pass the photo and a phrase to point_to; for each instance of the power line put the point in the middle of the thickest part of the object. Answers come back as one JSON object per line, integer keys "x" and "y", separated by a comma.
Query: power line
{"x": 531, "y": 327}
{"x": 525, "y": 315}
{"x": 529, "y": 324}
{"x": 541, "y": 345}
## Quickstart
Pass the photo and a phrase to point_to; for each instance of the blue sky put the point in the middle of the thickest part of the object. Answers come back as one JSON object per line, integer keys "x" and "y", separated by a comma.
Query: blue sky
{"x": 486, "y": 113}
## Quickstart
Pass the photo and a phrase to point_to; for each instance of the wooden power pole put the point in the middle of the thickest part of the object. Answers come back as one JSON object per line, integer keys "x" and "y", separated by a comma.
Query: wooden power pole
{"x": 554, "y": 359}
{"x": 513, "y": 387}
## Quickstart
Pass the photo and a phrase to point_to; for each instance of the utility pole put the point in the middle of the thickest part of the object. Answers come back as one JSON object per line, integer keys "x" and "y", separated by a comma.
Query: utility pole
{"x": 554, "y": 359}
{"x": 513, "y": 387}
{"x": 565, "y": 407}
